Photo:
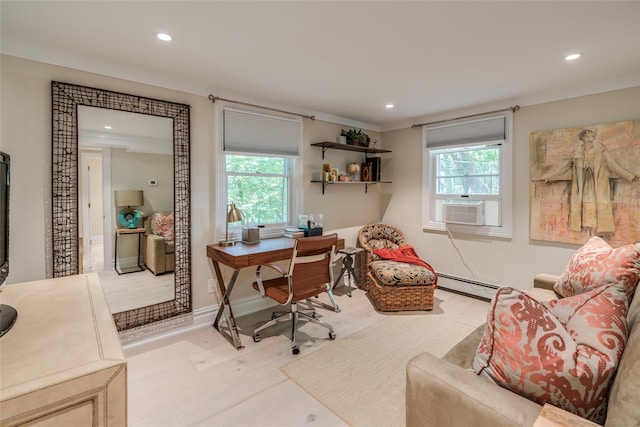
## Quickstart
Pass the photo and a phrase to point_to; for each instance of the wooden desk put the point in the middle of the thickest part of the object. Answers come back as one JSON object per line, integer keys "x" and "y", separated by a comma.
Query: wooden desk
{"x": 241, "y": 256}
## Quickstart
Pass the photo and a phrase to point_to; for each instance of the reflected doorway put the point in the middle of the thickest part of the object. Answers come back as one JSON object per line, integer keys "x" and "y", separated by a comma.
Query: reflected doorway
{"x": 92, "y": 203}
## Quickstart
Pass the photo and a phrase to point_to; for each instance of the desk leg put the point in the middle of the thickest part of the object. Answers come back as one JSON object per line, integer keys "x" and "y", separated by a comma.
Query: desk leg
{"x": 115, "y": 255}
{"x": 224, "y": 305}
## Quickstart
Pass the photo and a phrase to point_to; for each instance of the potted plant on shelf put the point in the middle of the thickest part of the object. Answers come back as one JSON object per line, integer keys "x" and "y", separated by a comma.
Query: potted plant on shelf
{"x": 356, "y": 137}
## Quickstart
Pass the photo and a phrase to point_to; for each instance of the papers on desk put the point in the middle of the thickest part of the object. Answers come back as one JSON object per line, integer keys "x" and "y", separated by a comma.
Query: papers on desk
{"x": 293, "y": 232}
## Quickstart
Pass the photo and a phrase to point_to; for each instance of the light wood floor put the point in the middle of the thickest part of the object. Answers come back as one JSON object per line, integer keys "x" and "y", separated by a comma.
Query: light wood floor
{"x": 129, "y": 291}
{"x": 134, "y": 290}
{"x": 197, "y": 378}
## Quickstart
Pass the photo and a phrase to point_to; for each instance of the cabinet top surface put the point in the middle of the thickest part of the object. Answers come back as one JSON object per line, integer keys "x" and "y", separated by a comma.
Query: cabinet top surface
{"x": 64, "y": 327}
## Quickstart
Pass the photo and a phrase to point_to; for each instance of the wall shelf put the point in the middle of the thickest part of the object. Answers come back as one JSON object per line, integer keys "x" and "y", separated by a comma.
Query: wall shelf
{"x": 346, "y": 147}
{"x": 367, "y": 184}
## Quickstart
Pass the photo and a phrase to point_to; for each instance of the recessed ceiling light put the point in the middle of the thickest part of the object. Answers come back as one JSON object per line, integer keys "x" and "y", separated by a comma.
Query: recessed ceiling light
{"x": 389, "y": 106}
{"x": 572, "y": 57}
{"x": 108, "y": 127}
{"x": 164, "y": 37}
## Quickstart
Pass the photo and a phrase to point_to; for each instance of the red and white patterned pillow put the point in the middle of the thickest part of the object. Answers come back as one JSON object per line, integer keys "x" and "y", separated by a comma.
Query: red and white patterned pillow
{"x": 564, "y": 352}
{"x": 597, "y": 264}
{"x": 162, "y": 225}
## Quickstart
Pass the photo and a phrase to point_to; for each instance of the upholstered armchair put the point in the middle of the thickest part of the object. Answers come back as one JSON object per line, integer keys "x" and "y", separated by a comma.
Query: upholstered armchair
{"x": 158, "y": 246}
{"x": 393, "y": 285}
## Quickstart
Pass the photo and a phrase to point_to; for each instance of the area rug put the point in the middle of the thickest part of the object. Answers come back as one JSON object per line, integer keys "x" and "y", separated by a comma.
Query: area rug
{"x": 361, "y": 378}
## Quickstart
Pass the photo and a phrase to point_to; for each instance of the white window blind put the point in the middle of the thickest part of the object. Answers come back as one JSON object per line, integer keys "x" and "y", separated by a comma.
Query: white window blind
{"x": 255, "y": 133}
{"x": 482, "y": 130}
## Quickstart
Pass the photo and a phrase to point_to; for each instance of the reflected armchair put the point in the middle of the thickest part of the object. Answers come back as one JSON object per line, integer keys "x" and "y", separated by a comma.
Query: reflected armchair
{"x": 158, "y": 247}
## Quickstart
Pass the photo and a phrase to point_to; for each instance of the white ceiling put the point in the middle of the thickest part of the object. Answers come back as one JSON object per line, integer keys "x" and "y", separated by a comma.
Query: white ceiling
{"x": 132, "y": 132}
{"x": 338, "y": 58}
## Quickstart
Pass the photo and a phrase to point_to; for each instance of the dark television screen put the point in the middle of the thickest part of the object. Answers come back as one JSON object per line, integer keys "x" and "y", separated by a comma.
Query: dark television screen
{"x": 4, "y": 216}
{"x": 8, "y": 314}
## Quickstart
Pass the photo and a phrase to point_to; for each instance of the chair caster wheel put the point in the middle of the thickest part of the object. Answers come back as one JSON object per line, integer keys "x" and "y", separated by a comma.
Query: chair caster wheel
{"x": 295, "y": 350}
{"x": 256, "y": 338}
{"x": 314, "y": 315}
{"x": 332, "y": 335}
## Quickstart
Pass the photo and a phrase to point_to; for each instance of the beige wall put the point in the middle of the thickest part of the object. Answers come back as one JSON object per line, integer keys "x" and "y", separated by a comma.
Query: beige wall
{"x": 25, "y": 133}
{"x": 132, "y": 171}
{"x": 503, "y": 262}
{"x": 342, "y": 205}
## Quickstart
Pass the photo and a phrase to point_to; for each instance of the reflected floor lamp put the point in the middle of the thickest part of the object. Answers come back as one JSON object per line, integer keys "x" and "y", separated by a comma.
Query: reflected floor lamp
{"x": 128, "y": 217}
{"x": 233, "y": 215}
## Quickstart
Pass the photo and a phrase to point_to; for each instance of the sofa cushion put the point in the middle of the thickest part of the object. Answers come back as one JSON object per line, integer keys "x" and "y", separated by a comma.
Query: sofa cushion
{"x": 564, "y": 352}
{"x": 597, "y": 264}
{"x": 392, "y": 273}
{"x": 162, "y": 225}
{"x": 381, "y": 244}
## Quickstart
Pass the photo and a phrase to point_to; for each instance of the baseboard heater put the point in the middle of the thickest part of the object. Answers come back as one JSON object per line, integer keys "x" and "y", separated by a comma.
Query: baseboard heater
{"x": 467, "y": 287}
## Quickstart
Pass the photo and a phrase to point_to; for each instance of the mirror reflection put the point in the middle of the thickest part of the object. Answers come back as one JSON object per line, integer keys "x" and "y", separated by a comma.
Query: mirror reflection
{"x": 66, "y": 250}
{"x": 126, "y": 199}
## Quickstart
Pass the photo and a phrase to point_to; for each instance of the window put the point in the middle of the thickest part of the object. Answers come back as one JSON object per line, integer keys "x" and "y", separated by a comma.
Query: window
{"x": 468, "y": 170}
{"x": 260, "y": 185}
{"x": 259, "y": 170}
{"x": 468, "y": 163}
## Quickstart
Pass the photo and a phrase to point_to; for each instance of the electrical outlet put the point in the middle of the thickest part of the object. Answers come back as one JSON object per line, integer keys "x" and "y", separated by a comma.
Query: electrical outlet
{"x": 211, "y": 285}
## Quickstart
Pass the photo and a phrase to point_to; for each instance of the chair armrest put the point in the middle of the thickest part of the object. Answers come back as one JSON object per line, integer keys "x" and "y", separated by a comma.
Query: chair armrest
{"x": 439, "y": 393}
{"x": 545, "y": 281}
{"x": 259, "y": 276}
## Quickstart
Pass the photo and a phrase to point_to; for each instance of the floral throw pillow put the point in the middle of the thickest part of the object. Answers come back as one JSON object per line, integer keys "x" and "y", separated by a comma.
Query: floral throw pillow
{"x": 564, "y": 352}
{"x": 162, "y": 225}
{"x": 598, "y": 264}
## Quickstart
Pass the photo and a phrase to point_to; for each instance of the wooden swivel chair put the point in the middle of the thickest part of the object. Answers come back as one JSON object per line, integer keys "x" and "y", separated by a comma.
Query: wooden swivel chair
{"x": 310, "y": 273}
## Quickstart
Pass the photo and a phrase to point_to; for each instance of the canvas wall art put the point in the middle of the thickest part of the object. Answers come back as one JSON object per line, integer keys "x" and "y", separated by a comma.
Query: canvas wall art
{"x": 585, "y": 181}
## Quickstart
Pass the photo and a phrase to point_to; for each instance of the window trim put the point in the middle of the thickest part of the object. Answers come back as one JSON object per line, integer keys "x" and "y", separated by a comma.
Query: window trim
{"x": 295, "y": 181}
{"x": 429, "y": 196}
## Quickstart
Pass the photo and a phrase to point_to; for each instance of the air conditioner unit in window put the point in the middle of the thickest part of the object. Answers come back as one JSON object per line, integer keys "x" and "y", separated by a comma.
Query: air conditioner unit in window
{"x": 469, "y": 212}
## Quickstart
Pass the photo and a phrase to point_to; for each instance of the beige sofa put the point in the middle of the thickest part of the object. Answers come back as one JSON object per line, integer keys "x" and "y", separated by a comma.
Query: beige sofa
{"x": 446, "y": 392}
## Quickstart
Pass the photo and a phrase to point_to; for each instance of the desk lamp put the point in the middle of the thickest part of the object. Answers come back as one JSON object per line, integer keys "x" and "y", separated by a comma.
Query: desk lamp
{"x": 234, "y": 215}
{"x": 128, "y": 217}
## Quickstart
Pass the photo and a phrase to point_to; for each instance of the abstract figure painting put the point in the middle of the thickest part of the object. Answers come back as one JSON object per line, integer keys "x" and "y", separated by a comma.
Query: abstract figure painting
{"x": 585, "y": 182}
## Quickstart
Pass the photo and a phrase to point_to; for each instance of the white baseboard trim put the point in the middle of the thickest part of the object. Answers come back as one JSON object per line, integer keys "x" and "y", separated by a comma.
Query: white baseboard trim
{"x": 469, "y": 287}
{"x": 197, "y": 319}
{"x": 240, "y": 307}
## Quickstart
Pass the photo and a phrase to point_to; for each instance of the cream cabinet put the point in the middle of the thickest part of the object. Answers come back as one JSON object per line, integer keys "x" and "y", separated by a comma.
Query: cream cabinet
{"x": 62, "y": 363}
